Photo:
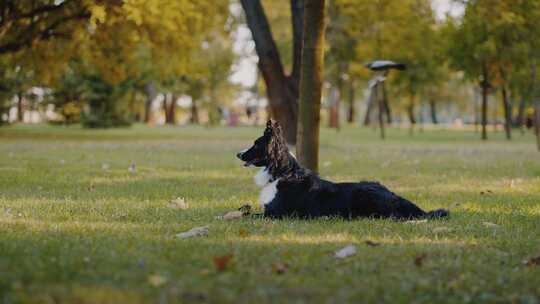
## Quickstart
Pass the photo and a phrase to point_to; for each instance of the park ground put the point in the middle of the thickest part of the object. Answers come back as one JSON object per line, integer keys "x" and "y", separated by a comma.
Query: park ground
{"x": 76, "y": 226}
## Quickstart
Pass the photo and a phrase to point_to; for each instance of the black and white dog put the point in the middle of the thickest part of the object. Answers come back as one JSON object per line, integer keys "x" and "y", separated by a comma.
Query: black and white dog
{"x": 288, "y": 190}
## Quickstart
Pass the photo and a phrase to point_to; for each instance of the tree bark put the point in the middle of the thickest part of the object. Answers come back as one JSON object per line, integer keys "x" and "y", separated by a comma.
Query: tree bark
{"x": 281, "y": 89}
{"x": 165, "y": 107}
{"x": 20, "y": 113}
{"x": 194, "y": 119}
{"x": 387, "y": 110}
{"x": 297, "y": 20}
{"x": 475, "y": 110}
{"x": 433, "y": 111}
{"x": 213, "y": 113}
{"x": 518, "y": 121}
{"x": 369, "y": 109}
{"x": 151, "y": 93}
{"x": 485, "y": 86}
{"x": 311, "y": 76}
{"x": 537, "y": 125}
{"x": 507, "y": 113}
{"x": 381, "y": 103}
{"x": 333, "y": 107}
{"x": 410, "y": 112}
{"x": 351, "y": 112}
{"x": 170, "y": 110}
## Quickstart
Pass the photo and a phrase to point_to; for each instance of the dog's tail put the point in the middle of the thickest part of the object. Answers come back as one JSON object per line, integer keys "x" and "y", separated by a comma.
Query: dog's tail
{"x": 437, "y": 213}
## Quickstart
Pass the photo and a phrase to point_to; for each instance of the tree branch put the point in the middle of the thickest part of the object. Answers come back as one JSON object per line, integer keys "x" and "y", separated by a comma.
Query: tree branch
{"x": 29, "y": 36}
{"x": 43, "y": 9}
{"x": 265, "y": 46}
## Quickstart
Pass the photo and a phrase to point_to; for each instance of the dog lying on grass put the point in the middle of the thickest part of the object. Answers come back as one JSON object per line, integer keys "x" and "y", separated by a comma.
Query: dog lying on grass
{"x": 288, "y": 190}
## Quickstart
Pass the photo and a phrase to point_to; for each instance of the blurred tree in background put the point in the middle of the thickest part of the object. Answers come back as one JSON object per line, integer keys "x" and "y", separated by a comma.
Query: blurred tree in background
{"x": 109, "y": 63}
{"x": 116, "y": 43}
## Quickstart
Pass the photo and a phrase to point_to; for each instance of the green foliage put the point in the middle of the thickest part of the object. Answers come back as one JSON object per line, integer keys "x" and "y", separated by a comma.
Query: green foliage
{"x": 106, "y": 103}
{"x": 403, "y": 31}
{"x": 503, "y": 36}
{"x": 120, "y": 41}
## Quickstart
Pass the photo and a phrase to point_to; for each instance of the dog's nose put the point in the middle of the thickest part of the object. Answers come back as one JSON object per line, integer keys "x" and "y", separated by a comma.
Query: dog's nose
{"x": 239, "y": 155}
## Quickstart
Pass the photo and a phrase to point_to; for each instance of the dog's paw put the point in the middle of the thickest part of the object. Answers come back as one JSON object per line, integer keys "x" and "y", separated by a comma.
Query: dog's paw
{"x": 245, "y": 209}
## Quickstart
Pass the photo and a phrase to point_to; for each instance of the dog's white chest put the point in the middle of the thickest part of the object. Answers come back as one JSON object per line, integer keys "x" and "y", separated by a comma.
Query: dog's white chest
{"x": 269, "y": 189}
{"x": 268, "y": 192}
{"x": 262, "y": 178}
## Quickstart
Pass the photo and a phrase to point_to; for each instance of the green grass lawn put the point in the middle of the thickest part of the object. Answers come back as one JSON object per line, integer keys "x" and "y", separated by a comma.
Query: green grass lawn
{"x": 77, "y": 227}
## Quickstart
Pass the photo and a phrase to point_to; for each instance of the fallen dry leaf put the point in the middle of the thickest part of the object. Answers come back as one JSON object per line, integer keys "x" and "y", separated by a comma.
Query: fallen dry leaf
{"x": 243, "y": 233}
{"x": 532, "y": 261}
{"x": 178, "y": 203}
{"x": 441, "y": 229}
{"x": 157, "y": 280}
{"x": 372, "y": 243}
{"x": 280, "y": 267}
{"x": 416, "y": 222}
{"x": 454, "y": 205}
{"x": 486, "y": 192}
{"x": 490, "y": 225}
{"x": 221, "y": 262}
{"x": 231, "y": 215}
{"x": 419, "y": 260}
{"x": 197, "y": 231}
{"x": 346, "y": 251}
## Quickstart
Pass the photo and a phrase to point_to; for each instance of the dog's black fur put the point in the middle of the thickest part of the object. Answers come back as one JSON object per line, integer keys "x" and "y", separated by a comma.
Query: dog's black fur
{"x": 302, "y": 193}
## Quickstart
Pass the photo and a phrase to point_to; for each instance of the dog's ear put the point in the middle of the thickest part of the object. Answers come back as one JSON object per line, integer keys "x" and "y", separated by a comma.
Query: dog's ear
{"x": 276, "y": 129}
{"x": 268, "y": 131}
{"x": 278, "y": 150}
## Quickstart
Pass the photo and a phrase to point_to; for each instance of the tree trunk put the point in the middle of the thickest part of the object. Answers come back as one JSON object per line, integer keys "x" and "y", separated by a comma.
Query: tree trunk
{"x": 410, "y": 113}
{"x": 132, "y": 99}
{"x": 165, "y": 107}
{"x": 507, "y": 113}
{"x": 537, "y": 125}
{"x": 213, "y": 113}
{"x": 194, "y": 112}
{"x": 297, "y": 20}
{"x": 151, "y": 93}
{"x": 433, "y": 111}
{"x": 311, "y": 76}
{"x": 351, "y": 111}
{"x": 381, "y": 103}
{"x": 281, "y": 89}
{"x": 20, "y": 113}
{"x": 336, "y": 103}
{"x": 170, "y": 111}
{"x": 386, "y": 105}
{"x": 484, "y": 112}
{"x": 475, "y": 110}
{"x": 369, "y": 108}
{"x": 485, "y": 86}
{"x": 518, "y": 121}
{"x": 333, "y": 107}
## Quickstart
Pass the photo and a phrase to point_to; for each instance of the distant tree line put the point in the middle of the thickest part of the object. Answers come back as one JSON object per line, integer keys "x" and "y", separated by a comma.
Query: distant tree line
{"x": 103, "y": 63}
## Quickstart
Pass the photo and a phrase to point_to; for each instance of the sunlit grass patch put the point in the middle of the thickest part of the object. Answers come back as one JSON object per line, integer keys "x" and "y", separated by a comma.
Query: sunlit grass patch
{"x": 76, "y": 226}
